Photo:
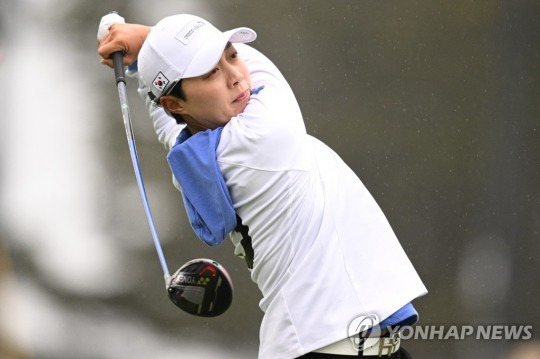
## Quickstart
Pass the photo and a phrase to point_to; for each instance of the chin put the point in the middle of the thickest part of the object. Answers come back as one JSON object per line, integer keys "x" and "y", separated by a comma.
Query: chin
{"x": 225, "y": 121}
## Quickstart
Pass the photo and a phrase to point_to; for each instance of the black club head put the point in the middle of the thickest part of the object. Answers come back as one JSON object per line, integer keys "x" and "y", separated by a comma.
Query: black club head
{"x": 201, "y": 287}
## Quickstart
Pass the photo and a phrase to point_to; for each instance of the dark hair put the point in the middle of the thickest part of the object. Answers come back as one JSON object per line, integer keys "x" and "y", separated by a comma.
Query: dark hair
{"x": 177, "y": 91}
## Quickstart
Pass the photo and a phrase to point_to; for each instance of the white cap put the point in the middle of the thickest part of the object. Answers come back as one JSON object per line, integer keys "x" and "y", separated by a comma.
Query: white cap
{"x": 183, "y": 46}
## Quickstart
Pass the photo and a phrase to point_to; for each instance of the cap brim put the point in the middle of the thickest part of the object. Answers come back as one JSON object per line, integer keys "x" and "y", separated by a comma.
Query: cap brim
{"x": 209, "y": 56}
{"x": 241, "y": 35}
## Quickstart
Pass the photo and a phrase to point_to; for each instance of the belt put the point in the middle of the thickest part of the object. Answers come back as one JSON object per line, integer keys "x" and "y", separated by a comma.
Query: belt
{"x": 370, "y": 347}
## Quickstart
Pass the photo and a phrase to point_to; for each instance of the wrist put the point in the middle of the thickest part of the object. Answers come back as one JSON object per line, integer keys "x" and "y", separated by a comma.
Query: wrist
{"x": 143, "y": 32}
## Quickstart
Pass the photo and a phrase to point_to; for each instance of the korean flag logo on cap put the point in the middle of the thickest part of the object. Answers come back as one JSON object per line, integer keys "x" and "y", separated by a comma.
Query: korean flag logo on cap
{"x": 160, "y": 82}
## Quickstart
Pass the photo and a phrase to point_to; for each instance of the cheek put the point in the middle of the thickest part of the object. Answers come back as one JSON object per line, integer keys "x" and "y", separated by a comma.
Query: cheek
{"x": 214, "y": 95}
{"x": 213, "y": 107}
{"x": 247, "y": 77}
{"x": 245, "y": 72}
{"x": 212, "y": 103}
{"x": 206, "y": 101}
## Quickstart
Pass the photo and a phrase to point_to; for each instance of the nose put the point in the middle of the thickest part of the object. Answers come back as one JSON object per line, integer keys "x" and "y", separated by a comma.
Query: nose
{"x": 235, "y": 76}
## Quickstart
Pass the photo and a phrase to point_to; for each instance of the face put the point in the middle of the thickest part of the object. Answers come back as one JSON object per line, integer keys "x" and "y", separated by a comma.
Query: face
{"x": 215, "y": 97}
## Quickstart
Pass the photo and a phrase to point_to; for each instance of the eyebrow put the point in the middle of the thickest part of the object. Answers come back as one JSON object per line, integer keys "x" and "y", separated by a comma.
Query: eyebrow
{"x": 228, "y": 45}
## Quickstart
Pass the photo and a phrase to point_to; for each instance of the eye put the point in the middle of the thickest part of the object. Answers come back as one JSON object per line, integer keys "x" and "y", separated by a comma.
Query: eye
{"x": 211, "y": 73}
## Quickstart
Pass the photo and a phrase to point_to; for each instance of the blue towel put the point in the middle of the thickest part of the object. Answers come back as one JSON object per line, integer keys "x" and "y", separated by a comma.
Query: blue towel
{"x": 404, "y": 317}
{"x": 207, "y": 200}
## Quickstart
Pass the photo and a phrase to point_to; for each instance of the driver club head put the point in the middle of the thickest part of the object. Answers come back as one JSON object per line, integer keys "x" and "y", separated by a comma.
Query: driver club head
{"x": 201, "y": 287}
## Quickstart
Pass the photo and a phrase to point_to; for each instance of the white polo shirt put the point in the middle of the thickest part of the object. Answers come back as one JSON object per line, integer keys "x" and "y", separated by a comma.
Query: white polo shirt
{"x": 318, "y": 236}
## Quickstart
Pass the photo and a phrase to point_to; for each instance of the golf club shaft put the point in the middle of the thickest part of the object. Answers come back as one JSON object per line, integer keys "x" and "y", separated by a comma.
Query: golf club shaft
{"x": 121, "y": 84}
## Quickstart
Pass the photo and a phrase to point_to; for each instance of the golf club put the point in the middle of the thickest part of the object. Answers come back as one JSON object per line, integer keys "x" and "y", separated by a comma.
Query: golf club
{"x": 201, "y": 287}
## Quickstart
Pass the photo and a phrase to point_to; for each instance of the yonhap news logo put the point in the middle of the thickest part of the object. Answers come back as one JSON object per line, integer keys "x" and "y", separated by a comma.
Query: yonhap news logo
{"x": 462, "y": 332}
{"x": 361, "y": 328}
{"x": 367, "y": 327}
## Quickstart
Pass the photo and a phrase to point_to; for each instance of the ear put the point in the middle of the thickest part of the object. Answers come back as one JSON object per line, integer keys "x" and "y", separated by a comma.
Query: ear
{"x": 173, "y": 104}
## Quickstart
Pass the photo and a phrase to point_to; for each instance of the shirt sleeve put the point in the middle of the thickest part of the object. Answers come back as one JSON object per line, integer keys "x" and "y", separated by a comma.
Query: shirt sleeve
{"x": 274, "y": 103}
{"x": 270, "y": 133}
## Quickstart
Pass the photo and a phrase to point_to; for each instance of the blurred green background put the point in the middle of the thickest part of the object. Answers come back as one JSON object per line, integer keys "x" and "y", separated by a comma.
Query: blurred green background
{"x": 434, "y": 104}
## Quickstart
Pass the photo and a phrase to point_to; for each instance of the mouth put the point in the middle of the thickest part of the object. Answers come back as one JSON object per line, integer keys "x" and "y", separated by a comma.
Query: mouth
{"x": 244, "y": 96}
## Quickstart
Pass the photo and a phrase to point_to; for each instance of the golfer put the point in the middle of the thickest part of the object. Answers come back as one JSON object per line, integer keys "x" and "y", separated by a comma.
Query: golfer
{"x": 317, "y": 244}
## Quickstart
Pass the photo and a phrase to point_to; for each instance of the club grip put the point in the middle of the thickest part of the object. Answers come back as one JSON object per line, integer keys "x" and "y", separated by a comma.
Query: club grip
{"x": 118, "y": 59}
